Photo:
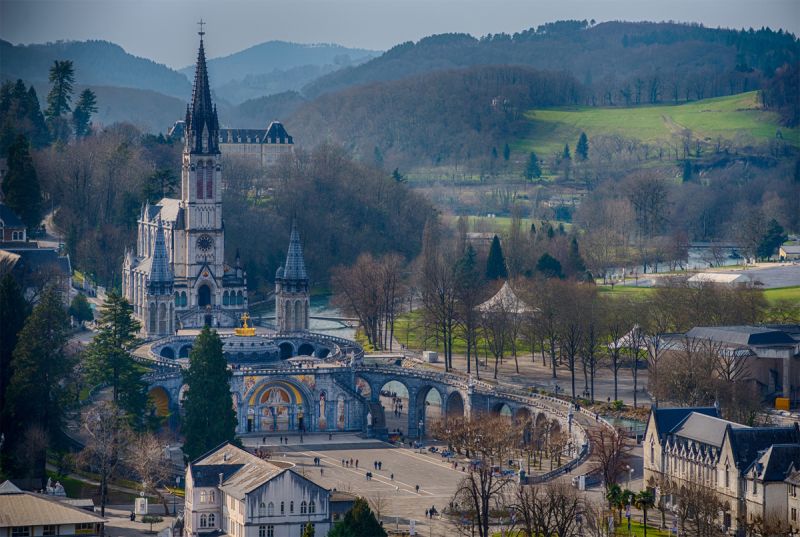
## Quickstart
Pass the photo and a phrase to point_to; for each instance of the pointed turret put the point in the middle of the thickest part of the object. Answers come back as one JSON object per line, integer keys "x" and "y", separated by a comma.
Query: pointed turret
{"x": 160, "y": 277}
{"x": 295, "y": 268}
{"x": 202, "y": 127}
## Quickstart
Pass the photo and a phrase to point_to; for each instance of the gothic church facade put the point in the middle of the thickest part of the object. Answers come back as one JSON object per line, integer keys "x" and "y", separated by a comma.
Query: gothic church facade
{"x": 177, "y": 276}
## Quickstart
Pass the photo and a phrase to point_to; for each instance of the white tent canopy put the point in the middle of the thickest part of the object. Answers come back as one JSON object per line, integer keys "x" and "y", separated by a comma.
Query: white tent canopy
{"x": 505, "y": 300}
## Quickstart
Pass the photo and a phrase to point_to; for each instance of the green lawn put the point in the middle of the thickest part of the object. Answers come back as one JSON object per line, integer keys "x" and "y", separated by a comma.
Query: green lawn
{"x": 783, "y": 293}
{"x": 722, "y": 117}
{"x": 624, "y": 290}
{"x": 637, "y": 530}
{"x": 502, "y": 224}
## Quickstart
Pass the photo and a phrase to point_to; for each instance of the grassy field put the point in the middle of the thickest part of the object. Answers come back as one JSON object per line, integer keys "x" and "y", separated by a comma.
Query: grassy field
{"x": 709, "y": 119}
{"x": 783, "y": 293}
{"x": 637, "y": 530}
{"x": 502, "y": 224}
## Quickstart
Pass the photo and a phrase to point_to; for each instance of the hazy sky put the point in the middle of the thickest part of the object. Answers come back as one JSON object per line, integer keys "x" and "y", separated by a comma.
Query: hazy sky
{"x": 164, "y": 30}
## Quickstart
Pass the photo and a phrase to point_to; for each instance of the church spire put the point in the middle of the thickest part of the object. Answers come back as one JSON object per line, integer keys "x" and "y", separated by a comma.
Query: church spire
{"x": 295, "y": 264}
{"x": 202, "y": 126}
{"x": 160, "y": 277}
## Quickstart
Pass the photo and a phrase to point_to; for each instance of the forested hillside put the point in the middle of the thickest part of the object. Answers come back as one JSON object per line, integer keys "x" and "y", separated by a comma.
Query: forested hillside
{"x": 620, "y": 62}
{"x": 97, "y": 63}
{"x": 435, "y": 118}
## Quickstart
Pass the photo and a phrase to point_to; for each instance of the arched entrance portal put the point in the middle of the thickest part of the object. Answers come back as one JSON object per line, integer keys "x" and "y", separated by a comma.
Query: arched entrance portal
{"x": 306, "y": 349}
{"x": 287, "y": 351}
{"x": 455, "y": 406}
{"x": 278, "y": 406}
{"x": 167, "y": 352}
{"x": 204, "y": 296}
{"x": 159, "y": 397}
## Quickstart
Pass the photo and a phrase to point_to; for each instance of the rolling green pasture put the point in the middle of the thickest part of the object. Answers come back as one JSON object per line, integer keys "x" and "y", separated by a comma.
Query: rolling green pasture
{"x": 722, "y": 117}
{"x": 783, "y": 293}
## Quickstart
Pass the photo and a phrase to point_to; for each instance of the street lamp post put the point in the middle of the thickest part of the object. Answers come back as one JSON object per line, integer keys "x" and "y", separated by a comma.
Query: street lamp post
{"x": 419, "y": 430}
{"x": 177, "y": 484}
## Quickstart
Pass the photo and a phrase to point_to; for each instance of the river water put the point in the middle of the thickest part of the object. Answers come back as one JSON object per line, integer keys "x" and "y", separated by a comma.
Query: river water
{"x": 320, "y": 307}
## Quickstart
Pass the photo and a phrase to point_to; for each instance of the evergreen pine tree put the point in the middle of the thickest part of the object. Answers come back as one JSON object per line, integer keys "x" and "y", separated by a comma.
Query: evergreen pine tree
{"x": 576, "y": 263}
{"x": 565, "y": 155}
{"x": 496, "y": 263}
{"x": 506, "y": 152}
{"x": 108, "y": 358}
{"x": 209, "y": 416}
{"x": 549, "y": 267}
{"x": 532, "y": 170}
{"x": 772, "y": 239}
{"x": 687, "y": 170}
{"x": 80, "y": 309}
{"x": 359, "y": 521}
{"x": 13, "y": 311}
{"x": 81, "y": 117}
{"x": 38, "y": 392}
{"x": 39, "y": 135}
{"x": 21, "y": 184}
{"x": 62, "y": 77}
{"x": 582, "y": 149}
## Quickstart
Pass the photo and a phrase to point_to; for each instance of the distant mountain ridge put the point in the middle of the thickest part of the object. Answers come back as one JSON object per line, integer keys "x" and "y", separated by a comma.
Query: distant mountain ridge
{"x": 274, "y": 67}
{"x": 595, "y": 54}
{"x": 97, "y": 63}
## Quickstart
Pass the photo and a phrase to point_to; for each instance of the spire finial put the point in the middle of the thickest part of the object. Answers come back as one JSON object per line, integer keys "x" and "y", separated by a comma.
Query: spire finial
{"x": 201, "y": 33}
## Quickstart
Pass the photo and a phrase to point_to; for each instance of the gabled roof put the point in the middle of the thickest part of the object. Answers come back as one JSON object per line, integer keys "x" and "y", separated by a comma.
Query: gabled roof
{"x": 242, "y": 471}
{"x": 742, "y": 335}
{"x": 776, "y": 463}
{"x": 747, "y": 443}
{"x": 160, "y": 275}
{"x": 9, "y": 218}
{"x": 19, "y": 508}
{"x": 705, "y": 429}
{"x": 666, "y": 419}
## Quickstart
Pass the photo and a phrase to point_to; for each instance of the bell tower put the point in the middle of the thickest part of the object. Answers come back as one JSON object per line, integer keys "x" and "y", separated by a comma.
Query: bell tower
{"x": 201, "y": 196}
{"x": 291, "y": 289}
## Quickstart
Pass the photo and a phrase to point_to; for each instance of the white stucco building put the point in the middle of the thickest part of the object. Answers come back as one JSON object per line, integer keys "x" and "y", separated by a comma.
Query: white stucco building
{"x": 231, "y": 492}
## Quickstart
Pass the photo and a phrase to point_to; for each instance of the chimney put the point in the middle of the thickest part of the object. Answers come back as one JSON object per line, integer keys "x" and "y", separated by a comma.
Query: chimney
{"x": 220, "y": 478}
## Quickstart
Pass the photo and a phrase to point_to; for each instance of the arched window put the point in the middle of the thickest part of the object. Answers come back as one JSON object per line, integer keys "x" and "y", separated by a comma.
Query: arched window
{"x": 282, "y": 508}
{"x": 262, "y": 509}
{"x": 271, "y": 509}
{"x": 211, "y": 496}
{"x": 303, "y": 507}
{"x": 291, "y": 507}
{"x": 152, "y": 317}
{"x": 209, "y": 180}
{"x": 203, "y": 521}
{"x": 199, "y": 176}
{"x": 312, "y": 507}
{"x": 239, "y": 298}
{"x": 226, "y": 299}
{"x": 212, "y": 520}
{"x": 177, "y": 298}
{"x": 203, "y": 496}
{"x": 183, "y": 299}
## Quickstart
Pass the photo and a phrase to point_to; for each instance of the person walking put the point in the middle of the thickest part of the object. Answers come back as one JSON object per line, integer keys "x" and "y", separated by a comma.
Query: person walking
{"x": 417, "y": 488}
{"x": 391, "y": 477}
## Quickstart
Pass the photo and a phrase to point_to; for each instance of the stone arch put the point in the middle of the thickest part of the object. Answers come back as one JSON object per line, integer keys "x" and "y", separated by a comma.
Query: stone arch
{"x": 184, "y": 300}
{"x": 429, "y": 404}
{"x": 162, "y": 318}
{"x": 287, "y": 316}
{"x": 522, "y": 415}
{"x": 306, "y": 349}
{"x": 184, "y": 351}
{"x": 295, "y": 402}
{"x": 322, "y": 352}
{"x": 152, "y": 309}
{"x": 454, "y": 405}
{"x": 541, "y": 420}
{"x": 204, "y": 295}
{"x": 239, "y": 298}
{"x": 167, "y": 352}
{"x": 298, "y": 314}
{"x": 363, "y": 387}
{"x": 182, "y": 393}
{"x": 502, "y": 409}
{"x": 226, "y": 299}
{"x": 159, "y": 396}
{"x": 287, "y": 350}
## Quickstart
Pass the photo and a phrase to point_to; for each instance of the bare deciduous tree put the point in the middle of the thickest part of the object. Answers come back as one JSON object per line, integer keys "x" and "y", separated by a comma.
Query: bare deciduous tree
{"x": 610, "y": 452}
{"x": 145, "y": 456}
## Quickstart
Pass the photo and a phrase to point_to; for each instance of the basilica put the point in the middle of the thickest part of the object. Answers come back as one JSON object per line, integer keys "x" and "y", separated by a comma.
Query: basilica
{"x": 177, "y": 277}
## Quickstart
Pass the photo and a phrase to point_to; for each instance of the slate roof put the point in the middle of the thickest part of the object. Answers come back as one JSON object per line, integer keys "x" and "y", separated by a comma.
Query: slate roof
{"x": 705, "y": 429}
{"x": 160, "y": 275}
{"x": 794, "y": 477}
{"x": 295, "y": 268}
{"x": 776, "y": 462}
{"x": 18, "y": 508}
{"x": 667, "y": 419}
{"x": 207, "y": 475}
{"x": 747, "y": 443}
{"x": 275, "y": 133}
{"x": 242, "y": 471}
{"x": 32, "y": 260}
{"x": 9, "y": 217}
{"x": 742, "y": 335}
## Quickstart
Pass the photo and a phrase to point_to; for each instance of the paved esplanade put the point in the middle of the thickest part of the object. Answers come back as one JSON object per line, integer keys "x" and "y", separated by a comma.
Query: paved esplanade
{"x": 400, "y": 500}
